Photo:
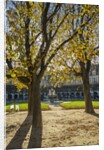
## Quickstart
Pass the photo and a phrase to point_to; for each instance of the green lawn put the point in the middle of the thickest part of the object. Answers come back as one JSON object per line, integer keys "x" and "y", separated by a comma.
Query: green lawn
{"x": 77, "y": 104}
{"x": 65, "y": 105}
{"x": 24, "y": 106}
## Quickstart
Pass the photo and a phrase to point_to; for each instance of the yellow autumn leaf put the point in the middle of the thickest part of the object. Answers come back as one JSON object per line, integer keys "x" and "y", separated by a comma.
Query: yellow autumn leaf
{"x": 13, "y": 75}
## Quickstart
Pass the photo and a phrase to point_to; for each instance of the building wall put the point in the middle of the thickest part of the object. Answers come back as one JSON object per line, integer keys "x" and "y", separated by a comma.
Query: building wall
{"x": 74, "y": 89}
{"x": 67, "y": 91}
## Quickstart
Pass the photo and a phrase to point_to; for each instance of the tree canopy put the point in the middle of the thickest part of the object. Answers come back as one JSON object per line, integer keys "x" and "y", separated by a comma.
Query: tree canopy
{"x": 35, "y": 32}
{"x": 81, "y": 51}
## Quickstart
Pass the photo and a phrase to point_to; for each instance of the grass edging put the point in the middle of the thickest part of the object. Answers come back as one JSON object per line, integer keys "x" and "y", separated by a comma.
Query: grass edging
{"x": 24, "y": 107}
{"x": 77, "y": 105}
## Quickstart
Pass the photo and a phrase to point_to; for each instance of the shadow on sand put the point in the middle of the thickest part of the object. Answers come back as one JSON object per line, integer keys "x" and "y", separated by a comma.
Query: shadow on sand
{"x": 95, "y": 114}
{"x": 34, "y": 140}
{"x": 19, "y": 137}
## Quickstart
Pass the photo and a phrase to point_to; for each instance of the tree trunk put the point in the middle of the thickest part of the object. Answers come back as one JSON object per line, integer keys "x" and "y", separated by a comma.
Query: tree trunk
{"x": 87, "y": 96}
{"x": 36, "y": 132}
{"x": 30, "y": 101}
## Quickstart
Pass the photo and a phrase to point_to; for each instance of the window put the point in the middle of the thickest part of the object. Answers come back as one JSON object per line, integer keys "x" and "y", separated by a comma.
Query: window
{"x": 21, "y": 96}
{"x": 15, "y": 96}
{"x": 94, "y": 80}
{"x": 9, "y": 96}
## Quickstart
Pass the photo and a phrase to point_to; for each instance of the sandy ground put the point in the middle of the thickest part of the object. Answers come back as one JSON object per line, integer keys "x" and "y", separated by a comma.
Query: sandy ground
{"x": 61, "y": 128}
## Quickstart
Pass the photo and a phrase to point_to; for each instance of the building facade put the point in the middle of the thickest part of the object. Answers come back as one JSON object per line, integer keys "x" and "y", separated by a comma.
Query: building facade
{"x": 67, "y": 91}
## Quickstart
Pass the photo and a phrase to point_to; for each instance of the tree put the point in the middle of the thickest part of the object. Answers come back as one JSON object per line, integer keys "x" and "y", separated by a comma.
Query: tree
{"x": 77, "y": 56}
{"x": 35, "y": 32}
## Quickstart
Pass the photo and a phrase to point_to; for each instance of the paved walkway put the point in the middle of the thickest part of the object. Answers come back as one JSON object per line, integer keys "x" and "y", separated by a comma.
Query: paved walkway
{"x": 55, "y": 107}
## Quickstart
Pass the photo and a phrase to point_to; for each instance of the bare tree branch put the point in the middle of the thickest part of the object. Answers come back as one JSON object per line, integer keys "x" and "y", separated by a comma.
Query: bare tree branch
{"x": 56, "y": 9}
{"x": 44, "y": 21}
{"x": 59, "y": 25}
{"x": 36, "y": 37}
{"x": 9, "y": 63}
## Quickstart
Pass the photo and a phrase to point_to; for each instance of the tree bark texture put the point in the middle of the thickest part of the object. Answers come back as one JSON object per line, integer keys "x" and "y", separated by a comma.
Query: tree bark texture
{"x": 36, "y": 131}
{"x": 87, "y": 95}
{"x": 30, "y": 101}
